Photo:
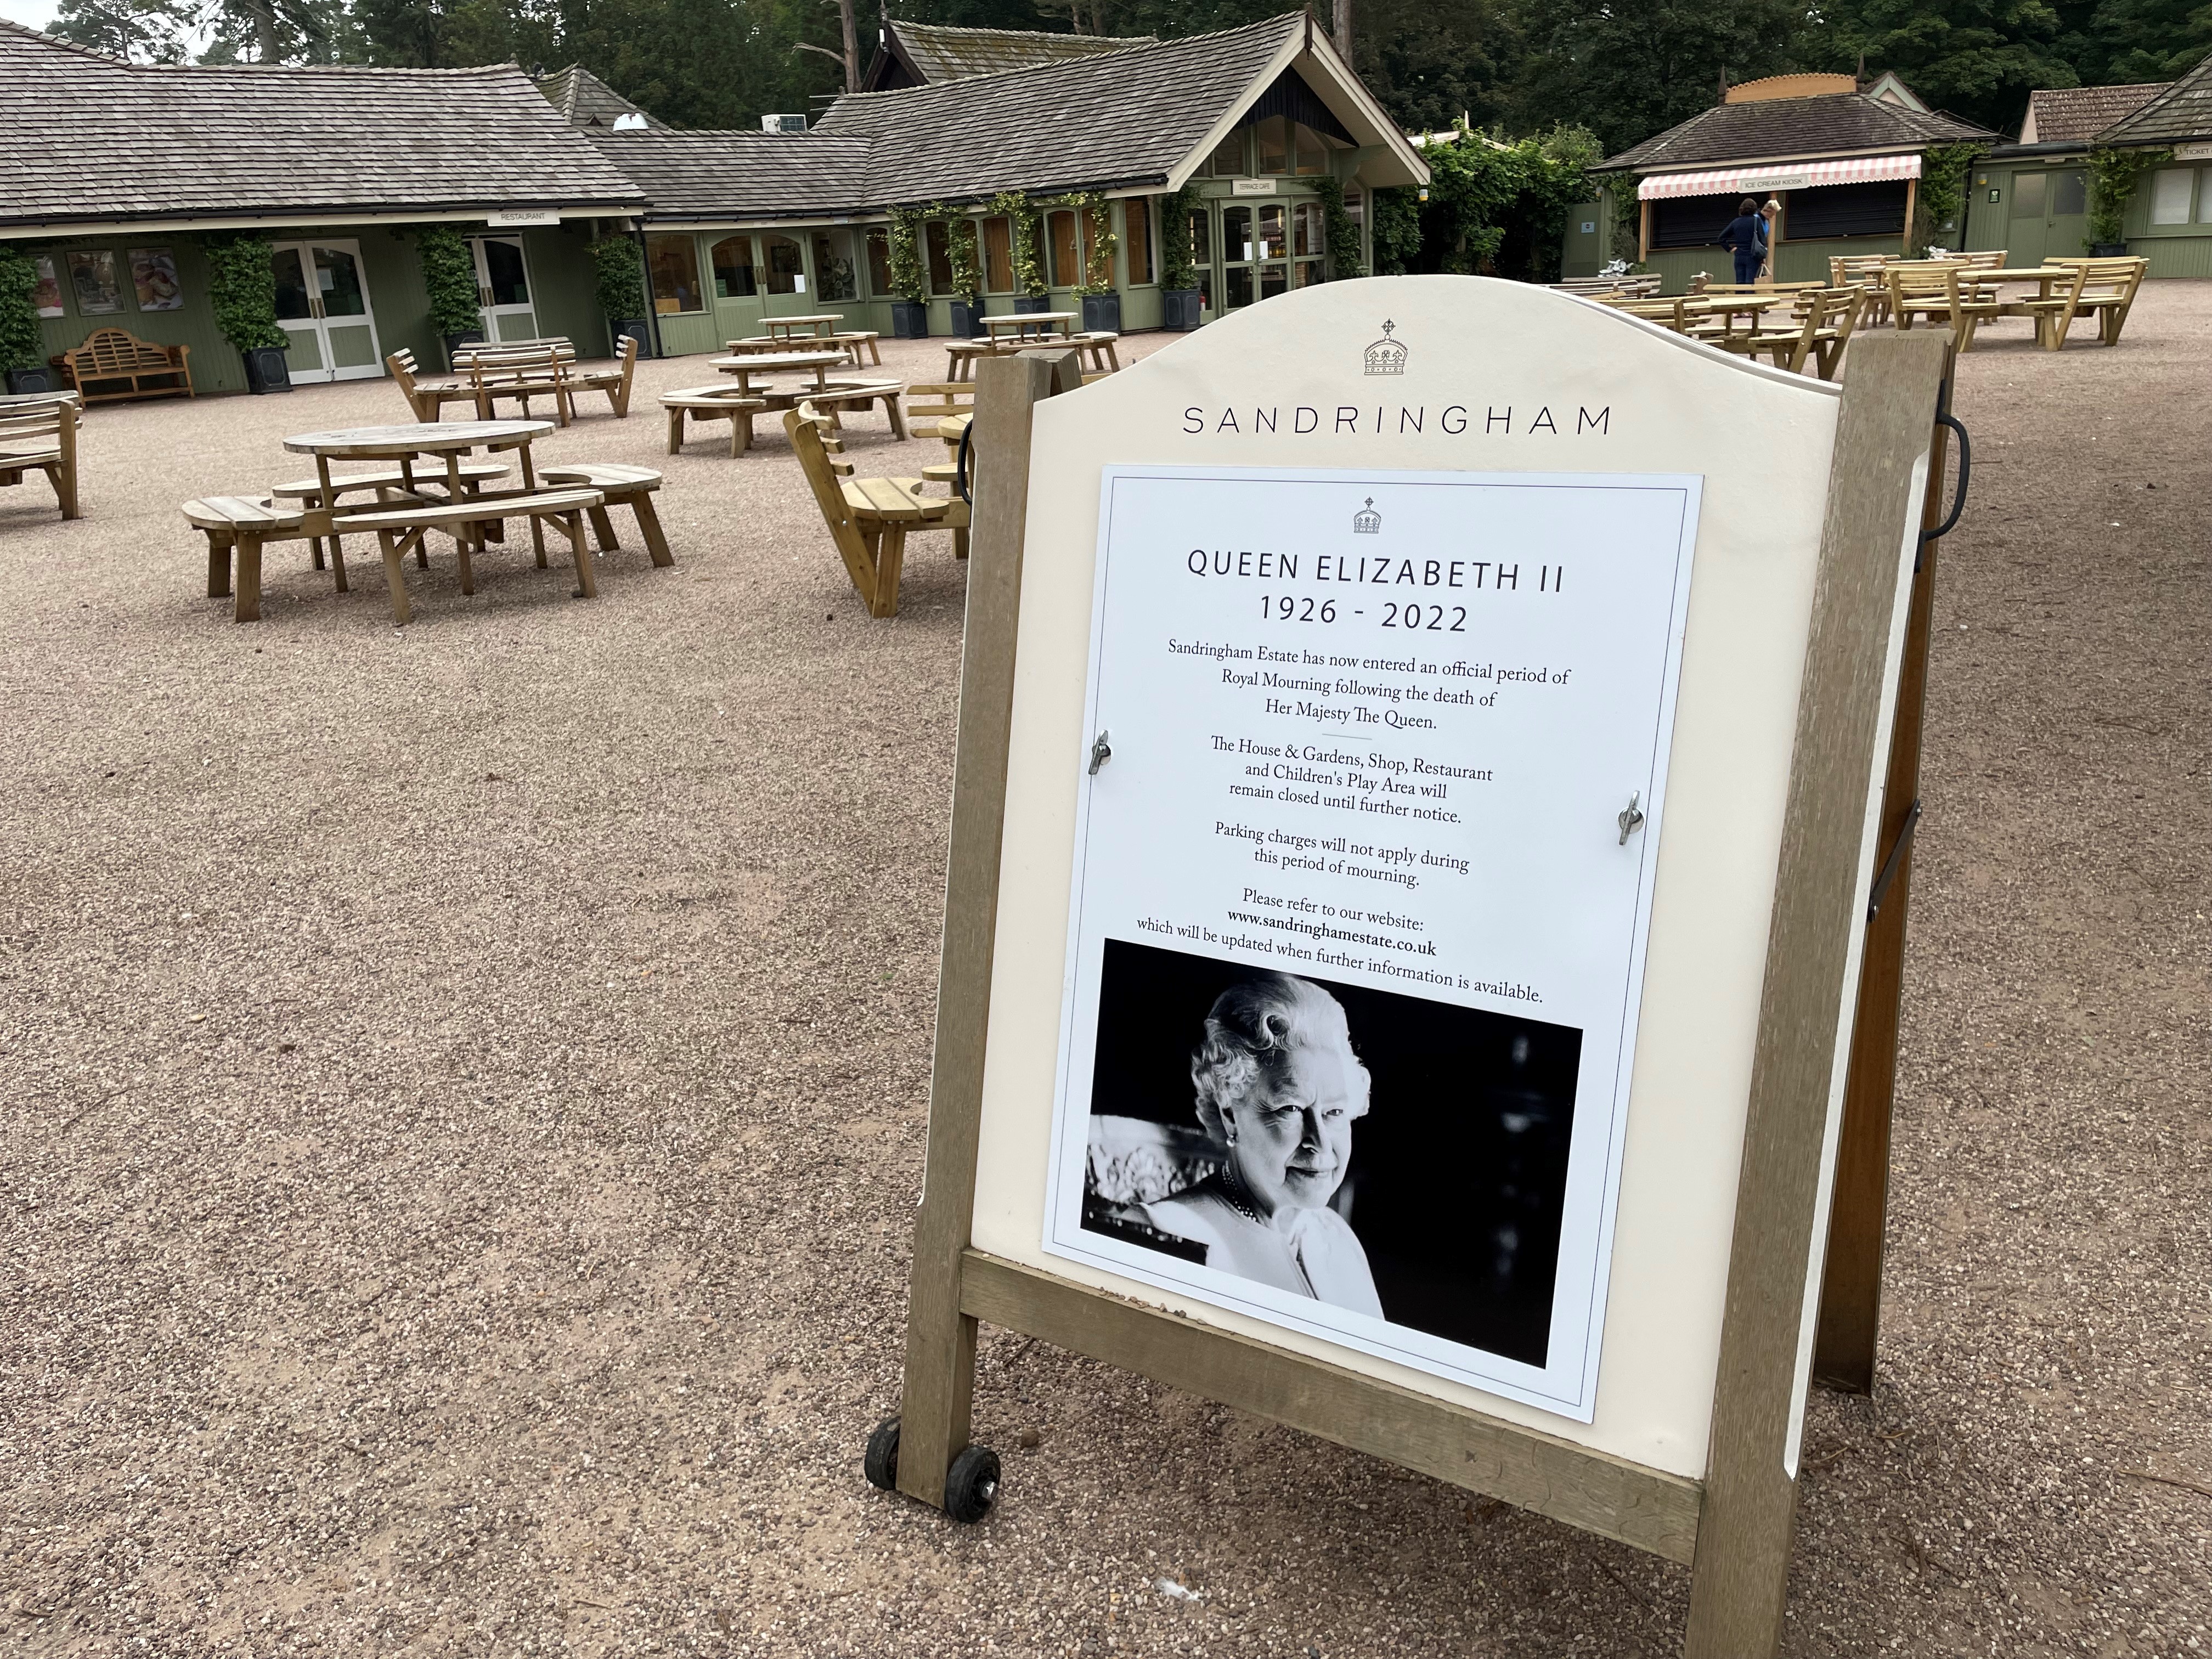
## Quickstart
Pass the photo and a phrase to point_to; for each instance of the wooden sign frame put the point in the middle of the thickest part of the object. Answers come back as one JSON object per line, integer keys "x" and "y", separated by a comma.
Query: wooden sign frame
{"x": 1733, "y": 1528}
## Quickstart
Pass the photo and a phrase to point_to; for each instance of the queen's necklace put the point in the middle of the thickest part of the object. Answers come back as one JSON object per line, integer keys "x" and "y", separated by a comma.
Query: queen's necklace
{"x": 1232, "y": 1189}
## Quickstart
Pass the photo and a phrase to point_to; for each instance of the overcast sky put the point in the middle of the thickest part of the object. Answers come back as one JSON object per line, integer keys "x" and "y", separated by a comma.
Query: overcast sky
{"x": 36, "y": 13}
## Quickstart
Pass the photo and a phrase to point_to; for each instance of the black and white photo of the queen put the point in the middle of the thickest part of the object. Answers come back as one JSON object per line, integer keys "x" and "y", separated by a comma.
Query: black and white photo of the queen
{"x": 1395, "y": 1157}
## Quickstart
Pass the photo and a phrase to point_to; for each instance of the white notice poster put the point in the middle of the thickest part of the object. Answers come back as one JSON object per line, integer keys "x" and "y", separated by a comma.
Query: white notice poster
{"x": 1360, "y": 898}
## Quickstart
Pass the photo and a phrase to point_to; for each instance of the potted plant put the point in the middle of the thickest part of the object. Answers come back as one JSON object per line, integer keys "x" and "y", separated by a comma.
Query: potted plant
{"x": 619, "y": 283}
{"x": 1102, "y": 301}
{"x": 22, "y": 340}
{"x": 910, "y": 310}
{"x": 967, "y": 279}
{"x": 449, "y": 279}
{"x": 242, "y": 293}
{"x": 1181, "y": 302}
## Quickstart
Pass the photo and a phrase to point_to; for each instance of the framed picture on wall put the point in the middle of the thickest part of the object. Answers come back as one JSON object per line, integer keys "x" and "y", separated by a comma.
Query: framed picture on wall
{"x": 154, "y": 273}
{"x": 98, "y": 293}
{"x": 47, "y": 292}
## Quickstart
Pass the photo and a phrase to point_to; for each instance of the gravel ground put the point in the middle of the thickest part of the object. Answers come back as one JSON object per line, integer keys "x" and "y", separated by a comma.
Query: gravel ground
{"x": 462, "y": 1094}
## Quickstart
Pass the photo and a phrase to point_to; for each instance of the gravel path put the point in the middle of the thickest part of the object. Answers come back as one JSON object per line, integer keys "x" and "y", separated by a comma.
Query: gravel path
{"x": 462, "y": 1094}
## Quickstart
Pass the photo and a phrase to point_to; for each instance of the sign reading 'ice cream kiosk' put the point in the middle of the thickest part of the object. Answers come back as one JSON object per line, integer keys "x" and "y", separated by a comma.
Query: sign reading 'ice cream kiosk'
{"x": 1364, "y": 866}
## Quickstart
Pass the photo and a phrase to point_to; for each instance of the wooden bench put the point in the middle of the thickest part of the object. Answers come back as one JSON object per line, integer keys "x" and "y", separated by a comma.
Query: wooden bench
{"x": 1930, "y": 292}
{"x": 135, "y": 367}
{"x": 1824, "y": 321}
{"x": 2104, "y": 289}
{"x": 240, "y": 525}
{"x": 521, "y": 373}
{"x": 869, "y": 519}
{"x": 853, "y": 396}
{"x": 712, "y": 403}
{"x": 622, "y": 485}
{"x": 1100, "y": 344}
{"x": 858, "y": 340}
{"x": 426, "y": 395}
{"x": 39, "y": 435}
{"x": 926, "y": 402}
{"x": 400, "y": 531}
{"x": 616, "y": 382}
{"x": 1634, "y": 287}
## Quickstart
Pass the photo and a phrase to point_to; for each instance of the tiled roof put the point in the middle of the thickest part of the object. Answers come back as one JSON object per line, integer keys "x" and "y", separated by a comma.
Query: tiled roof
{"x": 2183, "y": 111}
{"x": 941, "y": 53}
{"x": 721, "y": 175}
{"x": 585, "y": 101}
{"x": 87, "y": 139}
{"x": 2077, "y": 114}
{"x": 1836, "y": 123}
{"x": 1125, "y": 117}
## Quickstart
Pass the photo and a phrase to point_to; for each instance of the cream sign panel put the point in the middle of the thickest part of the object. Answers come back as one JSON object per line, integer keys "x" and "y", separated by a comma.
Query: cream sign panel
{"x": 1362, "y": 879}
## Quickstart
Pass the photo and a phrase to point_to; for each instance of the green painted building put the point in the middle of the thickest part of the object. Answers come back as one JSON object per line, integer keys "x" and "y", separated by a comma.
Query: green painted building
{"x": 2032, "y": 197}
{"x": 110, "y": 173}
{"x": 744, "y": 226}
{"x": 1843, "y": 158}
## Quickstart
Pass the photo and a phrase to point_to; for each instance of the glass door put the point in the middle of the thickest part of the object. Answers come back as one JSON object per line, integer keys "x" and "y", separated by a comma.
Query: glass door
{"x": 736, "y": 288}
{"x": 784, "y": 275}
{"x": 503, "y": 288}
{"x": 1237, "y": 261}
{"x": 322, "y": 306}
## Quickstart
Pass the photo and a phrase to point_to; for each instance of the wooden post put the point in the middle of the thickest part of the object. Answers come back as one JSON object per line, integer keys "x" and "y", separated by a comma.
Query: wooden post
{"x": 1847, "y": 1336}
{"x": 940, "y": 1339}
{"x": 1912, "y": 201}
{"x": 1643, "y": 230}
{"x": 1739, "y": 1579}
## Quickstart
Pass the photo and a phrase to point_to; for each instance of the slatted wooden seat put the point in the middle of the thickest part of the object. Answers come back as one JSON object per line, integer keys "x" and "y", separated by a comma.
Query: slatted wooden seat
{"x": 2104, "y": 289}
{"x": 401, "y": 530}
{"x": 239, "y": 525}
{"x": 1864, "y": 270}
{"x": 622, "y": 485}
{"x": 426, "y": 395}
{"x": 113, "y": 363}
{"x": 1667, "y": 313}
{"x": 40, "y": 435}
{"x": 1633, "y": 288}
{"x": 926, "y": 402}
{"x": 869, "y": 519}
{"x": 858, "y": 340}
{"x": 712, "y": 403}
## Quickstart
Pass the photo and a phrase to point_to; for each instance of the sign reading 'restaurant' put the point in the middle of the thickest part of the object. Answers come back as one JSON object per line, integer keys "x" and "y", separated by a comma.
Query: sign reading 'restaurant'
{"x": 1363, "y": 876}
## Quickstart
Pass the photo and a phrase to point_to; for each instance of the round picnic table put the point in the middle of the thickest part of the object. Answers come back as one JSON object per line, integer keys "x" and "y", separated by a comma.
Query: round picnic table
{"x": 445, "y": 442}
{"x": 766, "y": 363}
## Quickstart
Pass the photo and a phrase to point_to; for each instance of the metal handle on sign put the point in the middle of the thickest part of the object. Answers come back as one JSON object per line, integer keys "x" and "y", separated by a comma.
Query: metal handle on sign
{"x": 960, "y": 466}
{"x": 1966, "y": 477}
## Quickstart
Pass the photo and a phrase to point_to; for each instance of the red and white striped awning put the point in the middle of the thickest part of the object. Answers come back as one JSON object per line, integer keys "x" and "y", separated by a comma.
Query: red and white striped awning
{"x": 1789, "y": 175}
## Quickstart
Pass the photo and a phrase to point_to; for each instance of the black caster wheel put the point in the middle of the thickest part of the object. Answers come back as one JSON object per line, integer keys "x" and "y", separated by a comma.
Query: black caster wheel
{"x": 881, "y": 1463}
{"x": 971, "y": 1485}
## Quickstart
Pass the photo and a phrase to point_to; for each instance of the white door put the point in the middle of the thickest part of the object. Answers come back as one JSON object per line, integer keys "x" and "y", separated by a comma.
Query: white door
{"x": 503, "y": 288}
{"x": 322, "y": 304}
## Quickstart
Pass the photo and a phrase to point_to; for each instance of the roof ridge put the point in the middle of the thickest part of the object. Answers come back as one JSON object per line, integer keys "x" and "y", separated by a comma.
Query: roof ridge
{"x": 9, "y": 25}
{"x": 1062, "y": 64}
{"x": 1019, "y": 34}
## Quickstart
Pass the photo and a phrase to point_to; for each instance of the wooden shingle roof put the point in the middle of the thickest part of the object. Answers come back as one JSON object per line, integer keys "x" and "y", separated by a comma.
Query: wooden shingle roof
{"x": 585, "y": 101}
{"x": 2077, "y": 114}
{"x": 1127, "y": 119}
{"x": 87, "y": 139}
{"x": 2181, "y": 113}
{"x": 1836, "y": 123}
{"x": 938, "y": 52}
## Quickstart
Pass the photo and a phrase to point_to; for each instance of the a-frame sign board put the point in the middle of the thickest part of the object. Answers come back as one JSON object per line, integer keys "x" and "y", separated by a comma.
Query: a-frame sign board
{"x": 1417, "y": 794}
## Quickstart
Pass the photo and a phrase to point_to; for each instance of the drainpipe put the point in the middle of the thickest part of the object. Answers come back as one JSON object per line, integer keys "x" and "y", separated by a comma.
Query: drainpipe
{"x": 652, "y": 311}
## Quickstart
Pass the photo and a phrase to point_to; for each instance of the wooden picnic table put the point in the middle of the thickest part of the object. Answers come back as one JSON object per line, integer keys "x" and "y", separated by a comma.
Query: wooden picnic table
{"x": 444, "y": 441}
{"x": 1019, "y": 323}
{"x": 743, "y": 368}
{"x": 782, "y": 328}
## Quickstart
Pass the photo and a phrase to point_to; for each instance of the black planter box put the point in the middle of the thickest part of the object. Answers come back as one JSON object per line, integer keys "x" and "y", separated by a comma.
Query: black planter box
{"x": 1102, "y": 313}
{"x": 266, "y": 369}
{"x": 1025, "y": 303}
{"x": 32, "y": 381}
{"x": 466, "y": 337}
{"x": 967, "y": 320}
{"x": 2108, "y": 250}
{"x": 638, "y": 328}
{"x": 910, "y": 321}
{"x": 1180, "y": 308}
